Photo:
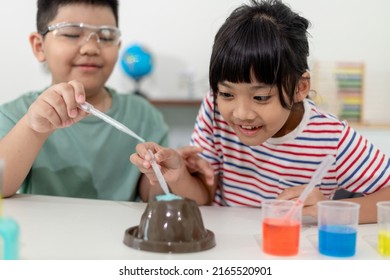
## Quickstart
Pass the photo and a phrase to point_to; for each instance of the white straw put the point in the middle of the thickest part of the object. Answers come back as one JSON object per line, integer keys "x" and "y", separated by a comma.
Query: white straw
{"x": 315, "y": 180}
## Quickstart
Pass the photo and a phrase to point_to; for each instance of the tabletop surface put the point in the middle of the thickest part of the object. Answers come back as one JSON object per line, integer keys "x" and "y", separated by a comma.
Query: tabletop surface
{"x": 62, "y": 228}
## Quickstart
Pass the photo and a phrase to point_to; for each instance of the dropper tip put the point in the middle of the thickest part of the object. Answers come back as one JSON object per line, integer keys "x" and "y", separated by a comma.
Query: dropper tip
{"x": 85, "y": 107}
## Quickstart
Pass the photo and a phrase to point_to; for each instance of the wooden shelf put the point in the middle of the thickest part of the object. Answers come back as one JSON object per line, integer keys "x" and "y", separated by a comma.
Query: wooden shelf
{"x": 373, "y": 126}
{"x": 176, "y": 102}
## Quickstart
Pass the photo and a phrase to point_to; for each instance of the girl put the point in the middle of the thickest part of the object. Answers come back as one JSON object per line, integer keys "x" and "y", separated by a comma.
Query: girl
{"x": 261, "y": 134}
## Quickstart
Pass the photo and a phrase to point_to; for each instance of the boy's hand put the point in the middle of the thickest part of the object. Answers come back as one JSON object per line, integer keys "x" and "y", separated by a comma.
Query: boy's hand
{"x": 57, "y": 107}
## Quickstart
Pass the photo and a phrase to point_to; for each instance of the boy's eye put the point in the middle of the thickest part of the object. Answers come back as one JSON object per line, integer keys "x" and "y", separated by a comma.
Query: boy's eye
{"x": 106, "y": 35}
{"x": 69, "y": 32}
{"x": 106, "y": 39}
{"x": 71, "y": 36}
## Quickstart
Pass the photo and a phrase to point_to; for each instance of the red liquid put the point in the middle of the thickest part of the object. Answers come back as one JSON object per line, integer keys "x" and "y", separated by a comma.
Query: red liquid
{"x": 280, "y": 236}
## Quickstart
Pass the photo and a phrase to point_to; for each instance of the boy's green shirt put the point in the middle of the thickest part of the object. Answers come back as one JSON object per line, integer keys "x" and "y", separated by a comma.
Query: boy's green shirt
{"x": 90, "y": 159}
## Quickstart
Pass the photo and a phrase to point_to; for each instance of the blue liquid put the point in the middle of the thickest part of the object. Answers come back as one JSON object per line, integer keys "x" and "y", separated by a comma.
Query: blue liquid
{"x": 337, "y": 240}
{"x": 167, "y": 197}
{"x": 9, "y": 239}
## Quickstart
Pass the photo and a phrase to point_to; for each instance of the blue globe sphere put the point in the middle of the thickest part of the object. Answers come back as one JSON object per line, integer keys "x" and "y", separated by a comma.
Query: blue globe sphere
{"x": 137, "y": 62}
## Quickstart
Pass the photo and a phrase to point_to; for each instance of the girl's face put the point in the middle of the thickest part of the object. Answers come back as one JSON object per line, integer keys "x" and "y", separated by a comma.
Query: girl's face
{"x": 88, "y": 63}
{"x": 252, "y": 110}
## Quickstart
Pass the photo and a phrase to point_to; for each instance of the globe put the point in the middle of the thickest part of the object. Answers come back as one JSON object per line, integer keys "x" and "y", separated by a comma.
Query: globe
{"x": 136, "y": 62}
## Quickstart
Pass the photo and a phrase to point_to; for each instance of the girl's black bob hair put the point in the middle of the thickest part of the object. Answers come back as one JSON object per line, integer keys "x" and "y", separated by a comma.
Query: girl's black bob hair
{"x": 265, "y": 40}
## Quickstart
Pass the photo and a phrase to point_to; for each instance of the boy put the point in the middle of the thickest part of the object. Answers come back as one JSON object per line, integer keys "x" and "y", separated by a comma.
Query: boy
{"x": 48, "y": 144}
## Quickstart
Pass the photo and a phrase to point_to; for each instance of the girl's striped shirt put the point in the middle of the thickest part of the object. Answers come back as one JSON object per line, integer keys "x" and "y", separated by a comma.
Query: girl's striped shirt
{"x": 250, "y": 174}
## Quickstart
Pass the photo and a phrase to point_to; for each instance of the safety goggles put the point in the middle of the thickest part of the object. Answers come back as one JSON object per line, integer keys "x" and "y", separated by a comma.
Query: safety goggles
{"x": 80, "y": 33}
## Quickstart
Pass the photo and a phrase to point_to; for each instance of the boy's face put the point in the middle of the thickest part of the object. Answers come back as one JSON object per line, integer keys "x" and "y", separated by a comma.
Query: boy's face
{"x": 88, "y": 62}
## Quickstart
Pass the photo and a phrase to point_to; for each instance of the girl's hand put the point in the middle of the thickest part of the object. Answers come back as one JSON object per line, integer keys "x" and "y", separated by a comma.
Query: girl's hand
{"x": 169, "y": 161}
{"x": 195, "y": 163}
{"x": 310, "y": 204}
{"x": 56, "y": 107}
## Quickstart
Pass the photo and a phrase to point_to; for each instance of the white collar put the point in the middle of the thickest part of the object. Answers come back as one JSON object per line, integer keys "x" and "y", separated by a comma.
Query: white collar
{"x": 291, "y": 135}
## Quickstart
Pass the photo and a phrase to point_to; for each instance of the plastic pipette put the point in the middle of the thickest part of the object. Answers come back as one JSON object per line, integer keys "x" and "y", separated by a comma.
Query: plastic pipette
{"x": 315, "y": 180}
{"x": 92, "y": 110}
{"x": 159, "y": 175}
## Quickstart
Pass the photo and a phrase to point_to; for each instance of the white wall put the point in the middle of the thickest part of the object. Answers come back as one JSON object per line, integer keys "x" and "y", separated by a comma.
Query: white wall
{"x": 180, "y": 35}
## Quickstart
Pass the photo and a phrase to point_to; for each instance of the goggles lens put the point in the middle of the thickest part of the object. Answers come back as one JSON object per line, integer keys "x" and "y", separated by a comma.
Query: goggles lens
{"x": 80, "y": 33}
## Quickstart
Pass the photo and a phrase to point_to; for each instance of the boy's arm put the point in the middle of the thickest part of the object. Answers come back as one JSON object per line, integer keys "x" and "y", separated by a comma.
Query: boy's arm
{"x": 18, "y": 149}
{"x": 54, "y": 108}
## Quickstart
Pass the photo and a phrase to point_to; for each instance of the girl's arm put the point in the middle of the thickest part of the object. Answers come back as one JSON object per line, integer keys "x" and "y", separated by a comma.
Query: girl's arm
{"x": 179, "y": 179}
{"x": 368, "y": 209}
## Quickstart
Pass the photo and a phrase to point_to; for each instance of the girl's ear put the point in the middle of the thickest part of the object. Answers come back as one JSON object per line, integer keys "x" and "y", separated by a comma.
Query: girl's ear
{"x": 36, "y": 42}
{"x": 303, "y": 88}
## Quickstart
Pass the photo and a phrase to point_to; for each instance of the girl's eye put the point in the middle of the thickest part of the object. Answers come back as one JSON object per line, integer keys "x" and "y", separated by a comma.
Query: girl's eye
{"x": 262, "y": 98}
{"x": 225, "y": 95}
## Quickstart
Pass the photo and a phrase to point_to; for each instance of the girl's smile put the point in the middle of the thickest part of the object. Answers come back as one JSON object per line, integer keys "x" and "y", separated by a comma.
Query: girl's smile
{"x": 249, "y": 130}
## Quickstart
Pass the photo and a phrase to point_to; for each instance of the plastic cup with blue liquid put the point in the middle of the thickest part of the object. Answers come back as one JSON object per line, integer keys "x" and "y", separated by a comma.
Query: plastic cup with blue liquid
{"x": 337, "y": 228}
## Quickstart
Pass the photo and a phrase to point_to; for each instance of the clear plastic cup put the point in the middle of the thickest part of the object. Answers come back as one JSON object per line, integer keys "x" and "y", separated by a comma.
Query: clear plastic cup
{"x": 384, "y": 228}
{"x": 337, "y": 227}
{"x": 281, "y": 227}
{"x": 9, "y": 230}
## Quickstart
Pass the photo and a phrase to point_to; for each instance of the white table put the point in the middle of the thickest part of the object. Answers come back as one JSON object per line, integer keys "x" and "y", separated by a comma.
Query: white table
{"x": 70, "y": 228}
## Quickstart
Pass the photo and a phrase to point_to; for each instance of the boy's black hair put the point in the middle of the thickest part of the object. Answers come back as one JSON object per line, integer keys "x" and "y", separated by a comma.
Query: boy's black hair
{"x": 265, "y": 37}
{"x": 48, "y": 9}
